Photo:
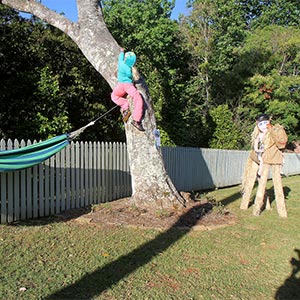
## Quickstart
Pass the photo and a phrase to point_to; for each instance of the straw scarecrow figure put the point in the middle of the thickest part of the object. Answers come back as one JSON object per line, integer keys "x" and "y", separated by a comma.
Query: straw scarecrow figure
{"x": 265, "y": 156}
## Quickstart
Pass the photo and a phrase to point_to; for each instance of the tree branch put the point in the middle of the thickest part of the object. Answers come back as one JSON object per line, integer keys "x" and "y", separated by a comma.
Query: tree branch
{"x": 45, "y": 14}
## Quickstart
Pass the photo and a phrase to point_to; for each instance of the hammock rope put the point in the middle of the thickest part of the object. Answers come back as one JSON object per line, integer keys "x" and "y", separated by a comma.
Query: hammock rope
{"x": 28, "y": 156}
{"x": 75, "y": 133}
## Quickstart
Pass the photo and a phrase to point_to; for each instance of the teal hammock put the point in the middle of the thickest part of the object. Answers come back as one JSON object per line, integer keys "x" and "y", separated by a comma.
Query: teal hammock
{"x": 29, "y": 156}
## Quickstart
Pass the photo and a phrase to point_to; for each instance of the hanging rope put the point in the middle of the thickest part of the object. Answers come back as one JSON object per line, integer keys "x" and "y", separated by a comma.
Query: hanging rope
{"x": 75, "y": 133}
{"x": 104, "y": 114}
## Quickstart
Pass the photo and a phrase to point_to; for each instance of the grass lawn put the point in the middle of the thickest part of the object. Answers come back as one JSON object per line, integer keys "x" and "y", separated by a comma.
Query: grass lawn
{"x": 257, "y": 258}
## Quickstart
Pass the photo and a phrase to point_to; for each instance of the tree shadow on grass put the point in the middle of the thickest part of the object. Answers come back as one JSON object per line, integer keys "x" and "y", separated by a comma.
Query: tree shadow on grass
{"x": 105, "y": 277}
{"x": 291, "y": 287}
{"x": 93, "y": 284}
{"x": 231, "y": 199}
{"x": 225, "y": 202}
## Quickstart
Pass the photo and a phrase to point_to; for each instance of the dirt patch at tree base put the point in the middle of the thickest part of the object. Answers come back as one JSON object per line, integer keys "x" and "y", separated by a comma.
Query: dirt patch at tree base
{"x": 197, "y": 215}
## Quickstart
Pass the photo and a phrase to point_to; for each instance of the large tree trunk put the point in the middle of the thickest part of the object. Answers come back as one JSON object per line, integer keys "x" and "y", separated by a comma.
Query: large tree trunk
{"x": 150, "y": 183}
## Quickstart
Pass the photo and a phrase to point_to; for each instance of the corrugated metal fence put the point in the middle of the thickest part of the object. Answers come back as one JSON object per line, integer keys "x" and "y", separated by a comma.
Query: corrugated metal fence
{"x": 86, "y": 173}
{"x": 194, "y": 169}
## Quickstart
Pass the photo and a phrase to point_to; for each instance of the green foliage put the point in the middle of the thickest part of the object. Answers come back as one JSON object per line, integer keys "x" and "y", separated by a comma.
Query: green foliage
{"x": 230, "y": 61}
{"x": 273, "y": 48}
{"x": 53, "y": 116}
{"x": 210, "y": 33}
{"x": 225, "y": 56}
{"x": 196, "y": 115}
{"x": 226, "y": 134}
{"x": 279, "y": 12}
{"x": 273, "y": 54}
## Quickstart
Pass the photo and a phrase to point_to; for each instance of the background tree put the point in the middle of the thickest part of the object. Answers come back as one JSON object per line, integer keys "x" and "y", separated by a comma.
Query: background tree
{"x": 273, "y": 55}
{"x": 211, "y": 31}
{"x": 226, "y": 133}
{"x": 261, "y": 13}
{"x": 197, "y": 34}
{"x": 217, "y": 34}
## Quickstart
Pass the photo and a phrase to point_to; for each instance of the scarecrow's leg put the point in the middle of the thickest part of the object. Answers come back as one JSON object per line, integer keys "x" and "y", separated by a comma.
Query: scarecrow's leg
{"x": 248, "y": 182}
{"x": 259, "y": 199}
{"x": 279, "y": 195}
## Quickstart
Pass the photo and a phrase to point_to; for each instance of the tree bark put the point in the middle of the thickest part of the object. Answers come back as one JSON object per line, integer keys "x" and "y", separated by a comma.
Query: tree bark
{"x": 150, "y": 183}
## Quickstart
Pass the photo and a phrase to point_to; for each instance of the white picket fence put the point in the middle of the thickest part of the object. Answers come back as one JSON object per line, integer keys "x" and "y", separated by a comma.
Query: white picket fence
{"x": 82, "y": 174}
{"x": 86, "y": 173}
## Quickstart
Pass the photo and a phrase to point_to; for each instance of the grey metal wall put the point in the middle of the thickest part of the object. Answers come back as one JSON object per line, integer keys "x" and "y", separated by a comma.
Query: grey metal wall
{"x": 193, "y": 169}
